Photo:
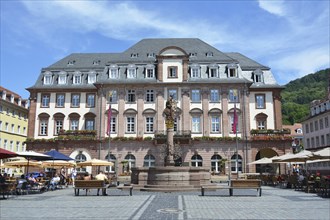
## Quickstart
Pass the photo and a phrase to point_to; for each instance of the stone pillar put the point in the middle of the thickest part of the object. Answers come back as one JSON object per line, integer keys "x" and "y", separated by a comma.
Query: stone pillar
{"x": 170, "y": 144}
{"x": 160, "y": 70}
{"x": 185, "y": 70}
{"x": 225, "y": 121}
{"x": 140, "y": 108}
{"x": 159, "y": 109}
{"x": 185, "y": 106}
{"x": 32, "y": 115}
{"x": 205, "y": 106}
{"x": 277, "y": 109}
{"x": 121, "y": 109}
{"x": 100, "y": 116}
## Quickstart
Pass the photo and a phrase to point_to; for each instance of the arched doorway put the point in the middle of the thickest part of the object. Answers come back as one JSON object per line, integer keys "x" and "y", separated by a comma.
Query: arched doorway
{"x": 272, "y": 168}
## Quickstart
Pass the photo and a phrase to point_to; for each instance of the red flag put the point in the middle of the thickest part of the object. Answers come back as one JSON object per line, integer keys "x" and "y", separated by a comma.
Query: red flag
{"x": 234, "y": 128}
{"x": 109, "y": 121}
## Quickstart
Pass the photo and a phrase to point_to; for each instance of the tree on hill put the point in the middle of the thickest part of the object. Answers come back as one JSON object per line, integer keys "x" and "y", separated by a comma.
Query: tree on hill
{"x": 298, "y": 94}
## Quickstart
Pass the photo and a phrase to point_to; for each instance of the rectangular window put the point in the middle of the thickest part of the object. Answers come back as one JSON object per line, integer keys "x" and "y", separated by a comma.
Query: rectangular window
{"x": 196, "y": 124}
{"x": 233, "y": 95}
{"x": 77, "y": 79}
{"x": 90, "y": 100}
{"x": 130, "y": 125}
{"x": 308, "y": 143}
{"x": 12, "y": 128}
{"x": 45, "y": 99}
{"x": 172, "y": 72}
{"x": 18, "y": 146}
{"x": 130, "y": 95}
{"x": 149, "y": 124}
{"x": 328, "y": 139}
{"x": 113, "y": 98}
{"x": 150, "y": 73}
{"x": 232, "y": 72}
{"x": 307, "y": 128}
{"x": 18, "y": 129}
{"x": 6, "y": 126}
{"x": 75, "y": 100}
{"x": 322, "y": 140}
{"x": 195, "y": 95}
{"x": 214, "y": 95}
{"x": 91, "y": 78}
{"x": 195, "y": 73}
{"x": 74, "y": 125}
{"x": 60, "y": 100}
{"x": 89, "y": 124}
{"x": 311, "y": 126}
{"x": 113, "y": 125}
{"x": 58, "y": 126}
{"x": 215, "y": 124}
{"x": 113, "y": 74}
{"x": 47, "y": 79}
{"x": 317, "y": 140}
{"x": 260, "y": 101}
{"x": 316, "y": 125}
{"x": 261, "y": 125}
{"x": 150, "y": 95}
{"x": 0, "y": 125}
{"x": 131, "y": 73}
{"x": 326, "y": 122}
{"x": 321, "y": 124}
{"x": 173, "y": 93}
{"x": 11, "y": 146}
{"x": 213, "y": 73}
{"x": 62, "y": 79}
{"x": 43, "y": 127}
{"x": 5, "y": 144}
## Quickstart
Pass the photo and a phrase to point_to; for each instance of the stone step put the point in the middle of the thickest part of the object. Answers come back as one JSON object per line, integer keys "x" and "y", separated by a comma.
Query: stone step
{"x": 164, "y": 189}
{"x": 171, "y": 186}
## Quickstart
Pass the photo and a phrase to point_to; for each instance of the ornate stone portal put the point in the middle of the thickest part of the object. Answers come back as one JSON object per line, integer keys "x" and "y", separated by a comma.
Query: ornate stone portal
{"x": 170, "y": 178}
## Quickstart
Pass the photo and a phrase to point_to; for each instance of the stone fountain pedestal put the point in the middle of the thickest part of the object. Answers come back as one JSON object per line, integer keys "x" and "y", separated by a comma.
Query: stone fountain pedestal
{"x": 170, "y": 178}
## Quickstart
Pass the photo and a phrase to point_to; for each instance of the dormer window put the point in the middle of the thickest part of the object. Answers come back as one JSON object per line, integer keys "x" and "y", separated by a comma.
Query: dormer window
{"x": 91, "y": 77}
{"x": 258, "y": 76}
{"x": 150, "y": 55}
{"x": 209, "y": 54}
{"x": 195, "y": 71}
{"x": 96, "y": 62}
{"x": 213, "y": 71}
{"x": 12, "y": 98}
{"x": 134, "y": 55}
{"x": 232, "y": 70}
{"x": 62, "y": 78}
{"x": 172, "y": 72}
{"x": 131, "y": 71}
{"x": 150, "y": 71}
{"x": 48, "y": 78}
{"x": 71, "y": 62}
{"x": 113, "y": 71}
{"x": 193, "y": 54}
{"x": 77, "y": 78}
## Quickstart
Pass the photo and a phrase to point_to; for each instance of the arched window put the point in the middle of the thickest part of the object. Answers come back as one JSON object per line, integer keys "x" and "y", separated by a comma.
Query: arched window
{"x": 111, "y": 169}
{"x": 149, "y": 161}
{"x": 130, "y": 158}
{"x": 80, "y": 158}
{"x": 196, "y": 161}
{"x": 236, "y": 164}
{"x": 216, "y": 163}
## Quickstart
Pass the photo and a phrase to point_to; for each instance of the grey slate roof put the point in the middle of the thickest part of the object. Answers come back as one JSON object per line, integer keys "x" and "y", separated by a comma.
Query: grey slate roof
{"x": 99, "y": 62}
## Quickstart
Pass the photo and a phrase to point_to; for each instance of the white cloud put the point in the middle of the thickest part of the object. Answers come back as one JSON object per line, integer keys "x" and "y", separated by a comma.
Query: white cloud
{"x": 273, "y": 7}
{"x": 298, "y": 64}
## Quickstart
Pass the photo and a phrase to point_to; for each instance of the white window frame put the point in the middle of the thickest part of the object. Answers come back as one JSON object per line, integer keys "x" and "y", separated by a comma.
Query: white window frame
{"x": 60, "y": 100}
{"x": 113, "y": 73}
{"x": 149, "y": 124}
{"x": 150, "y": 95}
{"x": 130, "y": 124}
{"x": 195, "y": 72}
{"x": 150, "y": 72}
{"x": 231, "y": 96}
{"x": 77, "y": 79}
{"x": 213, "y": 72}
{"x": 113, "y": 98}
{"x": 74, "y": 124}
{"x": 89, "y": 124}
{"x": 48, "y": 79}
{"x": 43, "y": 127}
{"x": 45, "y": 100}
{"x": 62, "y": 79}
{"x": 196, "y": 124}
{"x": 131, "y": 73}
{"x": 214, "y": 95}
{"x": 149, "y": 161}
{"x": 90, "y": 102}
{"x": 131, "y": 96}
{"x": 58, "y": 126}
{"x": 215, "y": 124}
{"x": 91, "y": 78}
{"x": 75, "y": 100}
{"x": 260, "y": 101}
{"x": 195, "y": 95}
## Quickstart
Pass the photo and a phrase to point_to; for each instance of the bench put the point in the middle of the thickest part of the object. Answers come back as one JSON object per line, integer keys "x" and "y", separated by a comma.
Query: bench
{"x": 126, "y": 187}
{"x": 235, "y": 184}
{"x": 88, "y": 184}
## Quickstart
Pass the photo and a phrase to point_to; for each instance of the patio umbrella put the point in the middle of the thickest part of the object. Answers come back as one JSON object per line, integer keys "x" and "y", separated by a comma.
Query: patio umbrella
{"x": 322, "y": 154}
{"x": 32, "y": 155}
{"x": 302, "y": 156}
{"x": 264, "y": 160}
{"x": 58, "y": 163}
{"x": 6, "y": 154}
{"x": 22, "y": 163}
{"x": 95, "y": 162}
{"x": 57, "y": 155}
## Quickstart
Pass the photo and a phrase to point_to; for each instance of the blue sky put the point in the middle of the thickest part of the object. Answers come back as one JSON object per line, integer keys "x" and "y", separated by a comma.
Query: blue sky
{"x": 291, "y": 37}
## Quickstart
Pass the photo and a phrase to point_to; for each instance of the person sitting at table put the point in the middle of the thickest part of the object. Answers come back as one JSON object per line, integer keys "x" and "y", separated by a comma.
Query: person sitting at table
{"x": 54, "y": 182}
{"x": 22, "y": 184}
{"x": 32, "y": 180}
{"x": 102, "y": 176}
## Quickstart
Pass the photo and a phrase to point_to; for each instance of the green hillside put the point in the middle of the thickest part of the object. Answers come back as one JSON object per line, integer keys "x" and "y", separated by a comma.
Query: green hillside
{"x": 298, "y": 94}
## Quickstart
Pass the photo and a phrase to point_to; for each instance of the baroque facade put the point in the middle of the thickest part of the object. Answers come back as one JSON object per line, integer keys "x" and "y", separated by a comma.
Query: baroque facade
{"x": 13, "y": 121}
{"x": 74, "y": 95}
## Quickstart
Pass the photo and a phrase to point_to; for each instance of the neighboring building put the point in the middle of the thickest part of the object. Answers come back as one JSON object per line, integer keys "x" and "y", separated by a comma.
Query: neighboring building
{"x": 317, "y": 130}
{"x": 296, "y": 132}
{"x": 13, "y": 120}
{"x": 209, "y": 86}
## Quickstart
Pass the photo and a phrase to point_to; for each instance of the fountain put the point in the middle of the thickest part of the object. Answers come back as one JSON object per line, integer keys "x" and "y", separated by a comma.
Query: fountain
{"x": 169, "y": 177}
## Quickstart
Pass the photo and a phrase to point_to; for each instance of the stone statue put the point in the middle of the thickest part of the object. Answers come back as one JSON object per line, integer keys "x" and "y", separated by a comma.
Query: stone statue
{"x": 169, "y": 112}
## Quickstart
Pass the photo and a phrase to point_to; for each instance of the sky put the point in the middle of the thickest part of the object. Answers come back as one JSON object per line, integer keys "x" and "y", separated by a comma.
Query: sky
{"x": 292, "y": 37}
